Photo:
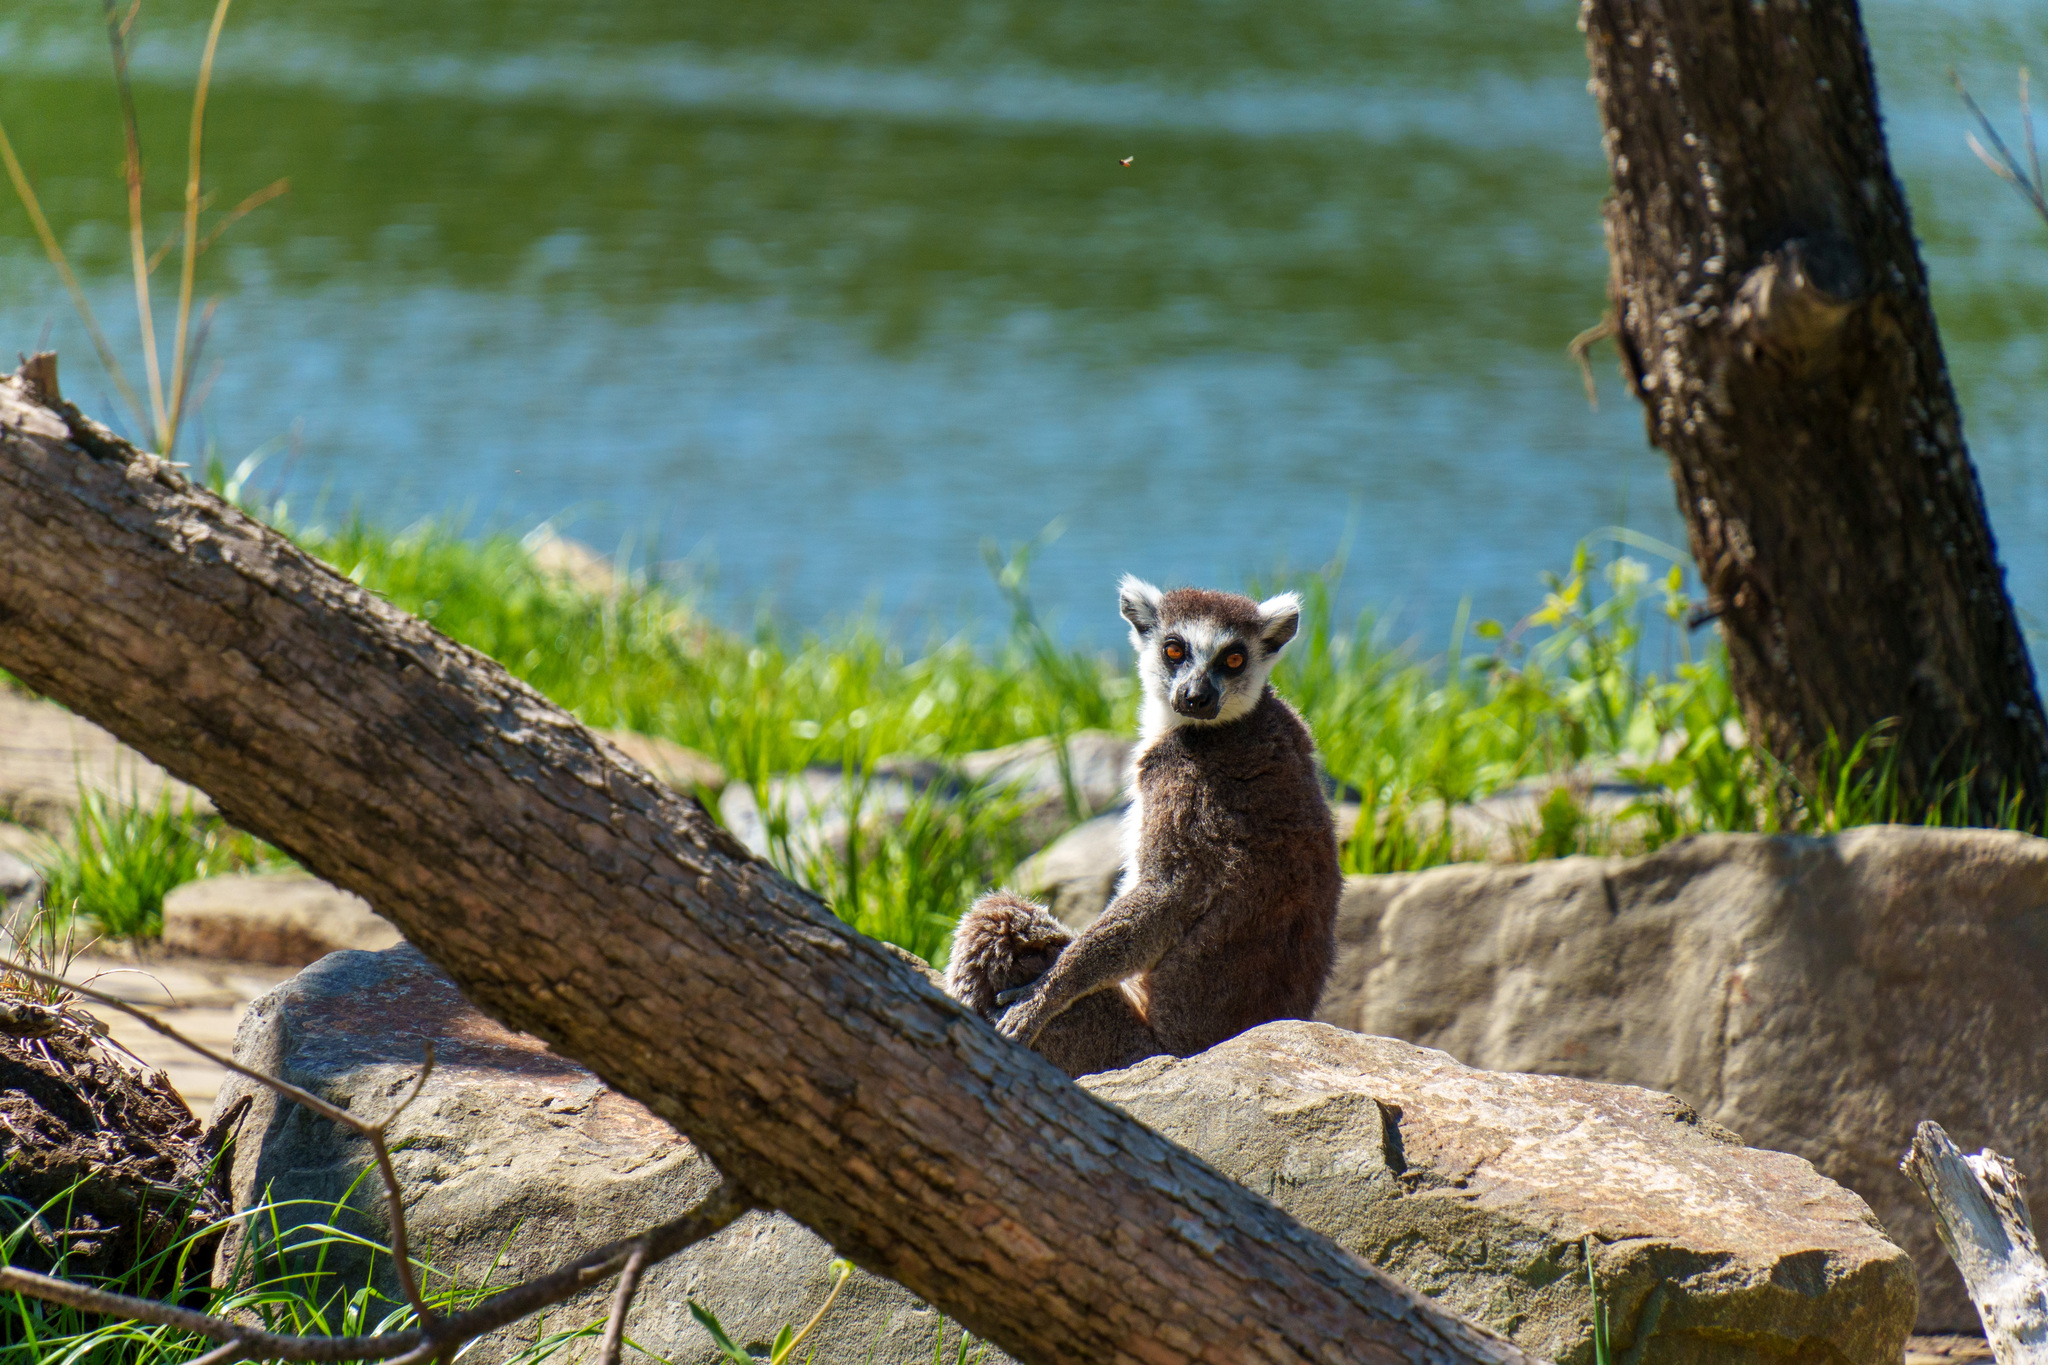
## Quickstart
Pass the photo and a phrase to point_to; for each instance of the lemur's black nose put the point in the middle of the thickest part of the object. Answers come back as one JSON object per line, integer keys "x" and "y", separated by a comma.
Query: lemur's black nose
{"x": 1199, "y": 699}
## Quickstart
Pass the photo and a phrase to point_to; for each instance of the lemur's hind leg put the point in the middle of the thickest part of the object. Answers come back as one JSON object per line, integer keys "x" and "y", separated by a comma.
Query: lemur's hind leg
{"x": 1003, "y": 946}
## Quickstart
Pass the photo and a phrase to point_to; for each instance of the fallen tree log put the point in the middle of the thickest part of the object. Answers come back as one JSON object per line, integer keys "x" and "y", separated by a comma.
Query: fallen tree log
{"x": 573, "y": 897}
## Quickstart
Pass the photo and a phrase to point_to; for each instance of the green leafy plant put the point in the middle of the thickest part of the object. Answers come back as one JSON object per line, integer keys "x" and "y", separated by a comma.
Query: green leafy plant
{"x": 1567, "y": 690}
{"x": 124, "y": 856}
{"x": 787, "y": 1339}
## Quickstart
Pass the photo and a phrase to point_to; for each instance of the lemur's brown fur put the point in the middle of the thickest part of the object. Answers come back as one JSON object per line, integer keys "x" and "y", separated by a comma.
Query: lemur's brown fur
{"x": 1226, "y": 916}
{"x": 1006, "y": 942}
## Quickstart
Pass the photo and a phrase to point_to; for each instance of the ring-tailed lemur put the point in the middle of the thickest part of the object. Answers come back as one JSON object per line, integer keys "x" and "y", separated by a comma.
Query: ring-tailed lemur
{"x": 1225, "y": 914}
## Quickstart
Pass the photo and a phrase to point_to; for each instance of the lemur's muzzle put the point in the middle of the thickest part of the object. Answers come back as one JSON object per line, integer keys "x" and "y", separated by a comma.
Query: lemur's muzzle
{"x": 1198, "y": 699}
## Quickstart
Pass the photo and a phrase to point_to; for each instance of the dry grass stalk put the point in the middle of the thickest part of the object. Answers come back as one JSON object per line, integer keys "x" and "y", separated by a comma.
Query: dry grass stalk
{"x": 166, "y": 409}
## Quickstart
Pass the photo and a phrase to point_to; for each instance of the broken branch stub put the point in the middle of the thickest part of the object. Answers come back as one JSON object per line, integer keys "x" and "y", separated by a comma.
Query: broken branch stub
{"x": 1980, "y": 1210}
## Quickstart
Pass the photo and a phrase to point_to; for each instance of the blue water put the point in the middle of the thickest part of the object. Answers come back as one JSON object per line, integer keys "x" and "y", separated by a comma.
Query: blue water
{"x": 810, "y": 302}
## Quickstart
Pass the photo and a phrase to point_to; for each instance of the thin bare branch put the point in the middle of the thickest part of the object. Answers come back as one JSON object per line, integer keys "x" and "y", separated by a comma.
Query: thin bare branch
{"x": 716, "y": 1211}
{"x": 222, "y": 1354}
{"x": 27, "y": 194}
{"x": 2000, "y": 159}
{"x": 194, "y": 146}
{"x": 394, "y": 1193}
{"x": 15, "y": 1280}
{"x": 622, "y": 1303}
{"x": 426, "y": 1070}
{"x": 2027, "y": 123}
{"x": 243, "y": 210}
{"x": 394, "y": 1197}
{"x": 138, "y": 250}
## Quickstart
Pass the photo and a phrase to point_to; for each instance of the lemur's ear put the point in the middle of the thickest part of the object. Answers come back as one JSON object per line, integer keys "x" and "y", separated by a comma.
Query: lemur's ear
{"x": 1279, "y": 618}
{"x": 1139, "y": 603}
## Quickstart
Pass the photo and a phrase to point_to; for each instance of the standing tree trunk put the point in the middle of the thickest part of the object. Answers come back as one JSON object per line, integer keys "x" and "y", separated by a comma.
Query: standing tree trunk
{"x": 572, "y": 896}
{"x": 1773, "y": 317}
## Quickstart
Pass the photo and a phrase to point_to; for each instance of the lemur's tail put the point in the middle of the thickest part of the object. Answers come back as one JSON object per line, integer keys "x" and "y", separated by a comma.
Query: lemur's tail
{"x": 1004, "y": 943}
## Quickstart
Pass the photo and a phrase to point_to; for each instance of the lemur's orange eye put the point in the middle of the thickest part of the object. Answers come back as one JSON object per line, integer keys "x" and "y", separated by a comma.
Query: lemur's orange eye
{"x": 1233, "y": 660}
{"x": 1173, "y": 652}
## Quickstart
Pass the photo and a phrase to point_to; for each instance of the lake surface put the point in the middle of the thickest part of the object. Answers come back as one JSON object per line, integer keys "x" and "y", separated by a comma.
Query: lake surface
{"x": 821, "y": 296}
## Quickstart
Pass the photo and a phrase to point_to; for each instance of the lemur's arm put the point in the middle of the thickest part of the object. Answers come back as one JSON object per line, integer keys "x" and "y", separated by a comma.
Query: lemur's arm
{"x": 1133, "y": 933}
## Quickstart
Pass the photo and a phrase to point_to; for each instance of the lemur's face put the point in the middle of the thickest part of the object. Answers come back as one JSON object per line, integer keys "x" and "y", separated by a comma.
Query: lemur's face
{"x": 1203, "y": 657}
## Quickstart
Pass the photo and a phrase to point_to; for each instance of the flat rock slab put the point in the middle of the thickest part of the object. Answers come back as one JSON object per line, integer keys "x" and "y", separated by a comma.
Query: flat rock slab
{"x": 286, "y": 919}
{"x": 47, "y": 755}
{"x": 1819, "y": 996}
{"x": 1480, "y": 1189}
{"x": 515, "y": 1157}
{"x": 203, "y": 1000}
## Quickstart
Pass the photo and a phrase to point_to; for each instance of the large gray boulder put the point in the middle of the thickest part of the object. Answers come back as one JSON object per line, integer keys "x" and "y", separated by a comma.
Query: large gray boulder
{"x": 1478, "y": 1188}
{"x": 1819, "y": 996}
{"x": 1047, "y": 780}
{"x": 516, "y": 1158}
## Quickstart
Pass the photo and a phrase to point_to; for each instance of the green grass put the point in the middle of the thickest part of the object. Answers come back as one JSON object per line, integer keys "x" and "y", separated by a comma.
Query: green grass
{"x": 298, "y": 1272}
{"x": 124, "y": 856}
{"x": 1569, "y": 688}
{"x": 301, "y": 1270}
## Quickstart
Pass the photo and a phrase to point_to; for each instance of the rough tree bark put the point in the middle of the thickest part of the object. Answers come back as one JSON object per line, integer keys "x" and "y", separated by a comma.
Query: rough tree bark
{"x": 572, "y": 896}
{"x": 1773, "y": 317}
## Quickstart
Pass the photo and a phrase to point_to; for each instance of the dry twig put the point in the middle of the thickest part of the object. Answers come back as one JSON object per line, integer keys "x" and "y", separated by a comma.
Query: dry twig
{"x": 622, "y": 1302}
{"x": 2024, "y": 177}
{"x": 436, "y": 1336}
{"x": 1580, "y": 350}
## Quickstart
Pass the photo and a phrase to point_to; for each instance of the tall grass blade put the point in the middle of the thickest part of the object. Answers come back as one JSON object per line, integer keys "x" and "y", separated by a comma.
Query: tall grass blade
{"x": 25, "y": 191}
{"x": 138, "y": 251}
{"x": 194, "y": 147}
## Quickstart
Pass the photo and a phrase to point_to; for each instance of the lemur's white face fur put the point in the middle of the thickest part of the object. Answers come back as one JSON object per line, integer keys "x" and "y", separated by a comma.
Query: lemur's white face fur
{"x": 1203, "y": 657}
